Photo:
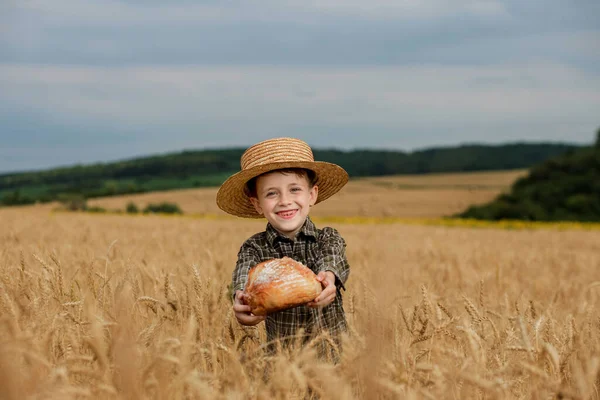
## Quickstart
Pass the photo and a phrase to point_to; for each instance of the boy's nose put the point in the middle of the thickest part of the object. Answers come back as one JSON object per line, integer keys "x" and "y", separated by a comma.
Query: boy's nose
{"x": 284, "y": 199}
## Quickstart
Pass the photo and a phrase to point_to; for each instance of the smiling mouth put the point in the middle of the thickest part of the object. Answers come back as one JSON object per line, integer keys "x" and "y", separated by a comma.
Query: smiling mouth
{"x": 288, "y": 214}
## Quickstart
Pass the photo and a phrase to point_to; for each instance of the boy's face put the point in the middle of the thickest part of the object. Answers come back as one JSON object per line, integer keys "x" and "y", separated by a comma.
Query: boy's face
{"x": 284, "y": 199}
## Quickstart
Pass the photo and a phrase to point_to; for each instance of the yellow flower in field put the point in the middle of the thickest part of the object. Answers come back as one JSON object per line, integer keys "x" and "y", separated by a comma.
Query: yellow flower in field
{"x": 458, "y": 222}
{"x": 447, "y": 222}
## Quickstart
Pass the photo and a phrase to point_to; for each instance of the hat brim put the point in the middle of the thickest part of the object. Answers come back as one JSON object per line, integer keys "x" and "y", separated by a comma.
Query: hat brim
{"x": 232, "y": 197}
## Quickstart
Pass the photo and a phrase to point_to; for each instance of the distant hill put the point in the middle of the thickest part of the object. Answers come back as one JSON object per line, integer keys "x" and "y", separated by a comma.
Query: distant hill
{"x": 563, "y": 188}
{"x": 203, "y": 168}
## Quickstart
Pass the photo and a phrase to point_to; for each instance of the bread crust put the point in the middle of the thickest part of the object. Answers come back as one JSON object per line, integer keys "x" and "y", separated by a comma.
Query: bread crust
{"x": 279, "y": 284}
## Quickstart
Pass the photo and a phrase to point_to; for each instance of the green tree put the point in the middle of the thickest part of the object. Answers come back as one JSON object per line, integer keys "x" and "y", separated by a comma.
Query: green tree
{"x": 15, "y": 198}
{"x": 562, "y": 188}
{"x": 598, "y": 139}
{"x": 132, "y": 208}
{"x": 163, "y": 208}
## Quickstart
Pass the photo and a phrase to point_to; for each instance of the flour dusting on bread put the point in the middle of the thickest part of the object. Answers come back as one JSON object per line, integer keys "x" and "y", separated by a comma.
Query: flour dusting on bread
{"x": 280, "y": 283}
{"x": 276, "y": 269}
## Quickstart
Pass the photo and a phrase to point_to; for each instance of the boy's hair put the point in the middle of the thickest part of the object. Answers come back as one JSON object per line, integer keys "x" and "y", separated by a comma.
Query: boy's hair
{"x": 310, "y": 176}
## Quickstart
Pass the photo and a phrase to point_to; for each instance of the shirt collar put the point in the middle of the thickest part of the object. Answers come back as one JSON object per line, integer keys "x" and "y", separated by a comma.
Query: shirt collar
{"x": 308, "y": 230}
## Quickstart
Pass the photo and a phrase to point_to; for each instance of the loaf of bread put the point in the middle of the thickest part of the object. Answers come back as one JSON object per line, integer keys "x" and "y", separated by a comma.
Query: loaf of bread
{"x": 279, "y": 284}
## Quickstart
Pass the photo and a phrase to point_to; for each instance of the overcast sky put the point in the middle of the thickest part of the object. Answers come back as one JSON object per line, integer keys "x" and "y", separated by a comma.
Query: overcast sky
{"x": 96, "y": 80}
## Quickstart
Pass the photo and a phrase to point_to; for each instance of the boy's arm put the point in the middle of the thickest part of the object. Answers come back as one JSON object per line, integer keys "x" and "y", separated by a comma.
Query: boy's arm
{"x": 333, "y": 256}
{"x": 247, "y": 258}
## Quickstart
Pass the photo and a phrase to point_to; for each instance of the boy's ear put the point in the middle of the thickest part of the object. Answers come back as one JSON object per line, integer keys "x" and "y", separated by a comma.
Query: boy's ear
{"x": 314, "y": 193}
{"x": 256, "y": 205}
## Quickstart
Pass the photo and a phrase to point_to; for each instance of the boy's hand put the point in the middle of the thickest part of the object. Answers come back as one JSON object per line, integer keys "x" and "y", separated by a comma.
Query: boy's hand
{"x": 327, "y": 279}
{"x": 242, "y": 311}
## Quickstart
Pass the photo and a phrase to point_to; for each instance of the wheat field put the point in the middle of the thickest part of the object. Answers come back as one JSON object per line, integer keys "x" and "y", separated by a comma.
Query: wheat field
{"x": 137, "y": 307}
{"x": 411, "y": 196}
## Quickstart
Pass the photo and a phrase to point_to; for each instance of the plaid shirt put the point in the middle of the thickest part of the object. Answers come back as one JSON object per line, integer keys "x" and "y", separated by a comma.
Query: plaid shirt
{"x": 318, "y": 249}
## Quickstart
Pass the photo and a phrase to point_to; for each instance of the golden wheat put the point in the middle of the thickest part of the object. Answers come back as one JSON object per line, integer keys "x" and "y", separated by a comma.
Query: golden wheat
{"x": 404, "y": 196}
{"x": 120, "y": 307}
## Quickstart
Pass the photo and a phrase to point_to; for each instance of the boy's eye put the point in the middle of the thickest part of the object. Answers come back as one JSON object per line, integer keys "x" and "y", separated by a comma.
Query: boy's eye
{"x": 270, "y": 194}
{"x": 296, "y": 189}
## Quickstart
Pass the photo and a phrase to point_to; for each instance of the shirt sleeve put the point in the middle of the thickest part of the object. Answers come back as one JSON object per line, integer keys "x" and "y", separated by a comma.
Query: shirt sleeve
{"x": 333, "y": 256}
{"x": 247, "y": 258}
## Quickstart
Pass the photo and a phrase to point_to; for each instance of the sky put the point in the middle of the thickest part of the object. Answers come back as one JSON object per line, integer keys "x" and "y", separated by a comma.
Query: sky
{"x": 84, "y": 81}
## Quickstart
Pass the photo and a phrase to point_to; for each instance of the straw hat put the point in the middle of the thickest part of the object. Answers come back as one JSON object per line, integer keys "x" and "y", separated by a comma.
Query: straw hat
{"x": 275, "y": 154}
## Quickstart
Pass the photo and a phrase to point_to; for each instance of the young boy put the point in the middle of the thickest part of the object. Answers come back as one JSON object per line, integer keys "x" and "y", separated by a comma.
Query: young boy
{"x": 280, "y": 181}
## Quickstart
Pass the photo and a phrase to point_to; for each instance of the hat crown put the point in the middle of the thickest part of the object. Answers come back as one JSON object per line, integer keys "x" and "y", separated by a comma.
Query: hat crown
{"x": 276, "y": 151}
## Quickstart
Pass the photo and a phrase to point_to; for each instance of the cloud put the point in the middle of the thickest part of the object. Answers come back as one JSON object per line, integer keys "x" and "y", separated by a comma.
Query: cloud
{"x": 397, "y": 73}
{"x": 111, "y": 12}
{"x": 294, "y": 32}
{"x": 274, "y": 99}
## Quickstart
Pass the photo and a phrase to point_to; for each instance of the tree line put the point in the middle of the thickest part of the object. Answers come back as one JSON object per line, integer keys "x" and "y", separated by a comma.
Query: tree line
{"x": 205, "y": 168}
{"x": 562, "y": 188}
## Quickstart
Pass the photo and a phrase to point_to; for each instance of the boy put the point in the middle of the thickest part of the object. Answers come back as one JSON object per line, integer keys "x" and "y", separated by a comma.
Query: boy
{"x": 280, "y": 181}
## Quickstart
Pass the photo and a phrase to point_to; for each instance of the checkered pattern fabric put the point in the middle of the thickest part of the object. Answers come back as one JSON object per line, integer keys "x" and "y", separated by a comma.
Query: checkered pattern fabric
{"x": 318, "y": 249}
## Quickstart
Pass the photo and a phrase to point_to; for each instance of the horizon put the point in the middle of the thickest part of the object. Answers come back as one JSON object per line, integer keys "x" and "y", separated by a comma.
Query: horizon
{"x": 167, "y": 153}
